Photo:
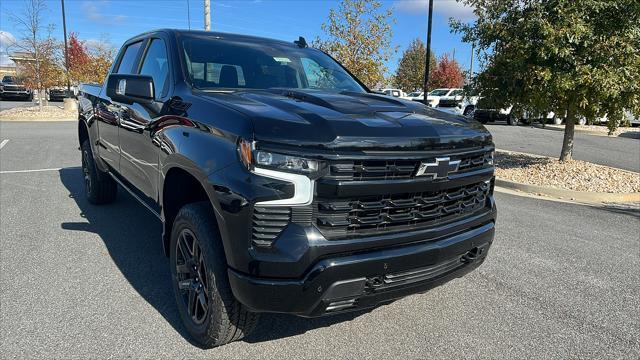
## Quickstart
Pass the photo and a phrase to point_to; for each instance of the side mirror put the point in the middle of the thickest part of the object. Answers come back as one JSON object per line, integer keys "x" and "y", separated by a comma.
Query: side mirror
{"x": 129, "y": 88}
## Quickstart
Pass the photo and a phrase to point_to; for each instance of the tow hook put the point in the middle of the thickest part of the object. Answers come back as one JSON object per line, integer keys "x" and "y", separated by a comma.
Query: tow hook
{"x": 471, "y": 255}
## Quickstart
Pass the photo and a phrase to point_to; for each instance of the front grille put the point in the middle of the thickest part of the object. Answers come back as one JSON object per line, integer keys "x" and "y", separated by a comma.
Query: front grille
{"x": 358, "y": 170}
{"x": 368, "y": 215}
{"x": 448, "y": 103}
{"x": 268, "y": 223}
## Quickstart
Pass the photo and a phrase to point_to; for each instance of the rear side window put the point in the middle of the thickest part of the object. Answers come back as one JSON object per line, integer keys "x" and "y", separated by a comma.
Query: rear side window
{"x": 155, "y": 64}
{"x": 129, "y": 59}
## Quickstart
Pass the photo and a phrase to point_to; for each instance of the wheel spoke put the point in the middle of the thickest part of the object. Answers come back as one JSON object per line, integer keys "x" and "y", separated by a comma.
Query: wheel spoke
{"x": 202, "y": 299}
{"x": 182, "y": 246}
{"x": 192, "y": 302}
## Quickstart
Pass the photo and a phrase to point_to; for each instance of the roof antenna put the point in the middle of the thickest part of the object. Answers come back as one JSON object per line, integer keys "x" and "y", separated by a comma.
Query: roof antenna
{"x": 301, "y": 42}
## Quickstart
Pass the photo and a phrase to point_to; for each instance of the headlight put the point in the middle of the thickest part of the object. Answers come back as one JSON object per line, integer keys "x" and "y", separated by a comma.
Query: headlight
{"x": 276, "y": 161}
{"x": 285, "y": 162}
{"x": 301, "y": 172}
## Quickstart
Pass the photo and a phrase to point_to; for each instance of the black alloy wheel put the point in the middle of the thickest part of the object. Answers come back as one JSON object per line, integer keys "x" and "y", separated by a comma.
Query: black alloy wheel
{"x": 191, "y": 273}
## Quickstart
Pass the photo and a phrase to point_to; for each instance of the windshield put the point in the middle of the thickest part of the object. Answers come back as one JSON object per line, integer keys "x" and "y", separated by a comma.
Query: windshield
{"x": 7, "y": 79}
{"x": 415, "y": 93}
{"x": 439, "y": 92}
{"x": 214, "y": 63}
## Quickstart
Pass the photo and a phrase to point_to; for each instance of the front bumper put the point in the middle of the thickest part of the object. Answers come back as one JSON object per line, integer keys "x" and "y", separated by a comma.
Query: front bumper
{"x": 365, "y": 279}
{"x": 15, "y": 94}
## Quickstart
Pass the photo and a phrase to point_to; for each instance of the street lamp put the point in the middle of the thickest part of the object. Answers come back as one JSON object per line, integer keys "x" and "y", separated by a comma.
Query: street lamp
{"x": 66, "y": 52}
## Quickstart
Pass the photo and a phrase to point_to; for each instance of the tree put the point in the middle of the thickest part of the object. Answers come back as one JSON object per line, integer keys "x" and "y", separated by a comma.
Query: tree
{"x": 79, "y": 60}
{"x": 447, "y": 74}
{"x": 42, "y": 71}
{"x": 410, "y": 73}
{"x": 359, "y": 37}
{"x": 575, "y": 58}
{"x": 102, "y": 54}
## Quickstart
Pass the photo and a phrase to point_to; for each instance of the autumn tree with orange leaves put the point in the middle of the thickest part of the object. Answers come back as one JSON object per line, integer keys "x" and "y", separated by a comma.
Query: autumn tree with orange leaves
{"x": 447, "y": 74}
{"x": 88, "y": 64}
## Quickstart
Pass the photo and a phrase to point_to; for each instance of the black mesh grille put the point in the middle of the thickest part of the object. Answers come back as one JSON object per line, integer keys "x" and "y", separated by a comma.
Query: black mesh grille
{"x": 268, "y": 223}
{"x": 358, "y": 170}
{"x": 383, "y": 213}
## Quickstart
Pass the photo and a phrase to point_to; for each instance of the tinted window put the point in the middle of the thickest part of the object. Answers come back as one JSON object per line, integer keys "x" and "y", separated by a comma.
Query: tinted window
{"x": 217, "y": 63}
{"x": 129, "y": 59}
{"x": 155, "y": 64}
{"x": 457, "y": 92}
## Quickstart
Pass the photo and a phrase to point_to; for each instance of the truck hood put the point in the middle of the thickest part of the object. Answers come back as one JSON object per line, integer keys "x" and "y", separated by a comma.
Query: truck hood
{"x": 349, "y": 120}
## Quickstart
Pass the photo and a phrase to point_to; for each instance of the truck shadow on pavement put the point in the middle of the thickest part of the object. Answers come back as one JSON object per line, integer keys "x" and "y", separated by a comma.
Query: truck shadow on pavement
{"x": 132, "y": 237}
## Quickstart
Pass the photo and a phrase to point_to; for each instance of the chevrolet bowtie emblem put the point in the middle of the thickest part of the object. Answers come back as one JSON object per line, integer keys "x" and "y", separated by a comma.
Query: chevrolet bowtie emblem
{"x": 439, "y": 169}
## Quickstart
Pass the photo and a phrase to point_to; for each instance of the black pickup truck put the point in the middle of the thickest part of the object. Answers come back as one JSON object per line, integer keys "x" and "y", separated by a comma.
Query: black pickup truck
{"x": 283, "y": 184}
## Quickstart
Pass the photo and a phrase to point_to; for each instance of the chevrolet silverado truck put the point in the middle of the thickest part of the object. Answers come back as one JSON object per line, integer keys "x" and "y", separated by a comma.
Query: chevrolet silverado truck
{"x": 11, "y": 88}
{"x": 283, "y": 184}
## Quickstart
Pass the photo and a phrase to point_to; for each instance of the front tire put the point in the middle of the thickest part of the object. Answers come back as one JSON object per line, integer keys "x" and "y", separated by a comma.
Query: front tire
{"x": 513, "y": 121}
{"x": 99, "y": 187}
{"x": 469, "y": 111}
{"x": 206, "y": 304}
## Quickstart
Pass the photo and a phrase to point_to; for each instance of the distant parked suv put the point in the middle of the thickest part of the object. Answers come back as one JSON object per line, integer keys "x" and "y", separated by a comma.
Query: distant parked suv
{"x": 11, "y": 88}
{"x": 283, "y": 184}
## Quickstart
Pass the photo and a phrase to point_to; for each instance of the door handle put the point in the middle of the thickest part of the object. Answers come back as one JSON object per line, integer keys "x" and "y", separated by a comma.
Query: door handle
{"x": 131, "y": 126}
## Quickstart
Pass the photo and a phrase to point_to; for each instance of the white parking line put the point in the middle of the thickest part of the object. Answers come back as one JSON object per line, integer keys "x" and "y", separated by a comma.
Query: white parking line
{"x": 3, "y": 143}
{"x": 28, "y": 171}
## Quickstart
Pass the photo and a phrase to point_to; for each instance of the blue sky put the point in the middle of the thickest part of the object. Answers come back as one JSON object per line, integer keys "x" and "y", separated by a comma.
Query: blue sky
{"x": 117, "y": 20}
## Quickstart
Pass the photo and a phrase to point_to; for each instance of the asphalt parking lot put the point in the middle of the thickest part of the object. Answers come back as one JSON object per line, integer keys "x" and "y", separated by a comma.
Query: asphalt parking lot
{"x": 9, "y": 104}
{"x": 79, "y": 281}
{"x": 620, "y": 152}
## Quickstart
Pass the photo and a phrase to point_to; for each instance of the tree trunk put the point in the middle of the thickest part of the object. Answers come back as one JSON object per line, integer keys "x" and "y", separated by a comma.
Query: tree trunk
{"x": 567, "y": 143}
{"x": 39, "y": 99}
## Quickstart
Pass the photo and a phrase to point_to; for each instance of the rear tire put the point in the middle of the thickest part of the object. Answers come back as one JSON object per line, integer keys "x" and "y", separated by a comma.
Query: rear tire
{"x": 513, "y": 121}
{"x": 206, "y": 304}
{"x": 99, "y": 187}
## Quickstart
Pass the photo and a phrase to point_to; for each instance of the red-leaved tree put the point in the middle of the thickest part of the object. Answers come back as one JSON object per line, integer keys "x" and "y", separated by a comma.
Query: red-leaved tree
{"x": 79, "y": 59}
{"x": 447, "y": 74}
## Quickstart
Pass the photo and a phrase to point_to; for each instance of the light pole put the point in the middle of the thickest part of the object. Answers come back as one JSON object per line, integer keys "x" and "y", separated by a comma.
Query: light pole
{"x": 66, "y": 52}
{"x": 426, "y": 65}
{"x": 207, "y": 15}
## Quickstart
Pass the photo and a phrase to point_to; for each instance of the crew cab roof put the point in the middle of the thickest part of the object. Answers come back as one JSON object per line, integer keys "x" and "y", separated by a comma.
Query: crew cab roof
{"x": 216, "y": 35}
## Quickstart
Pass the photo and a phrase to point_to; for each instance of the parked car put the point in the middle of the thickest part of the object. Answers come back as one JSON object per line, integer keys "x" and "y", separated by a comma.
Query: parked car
{"x": 395, "y": 93}
{"x": 416, "y": 95}
{"x": 59, "y": 94}
{"x": 452, "y": 99}
{"x": 282, "y": 184}
{"x": 464, "y": 107}
{"x": 433, "y": 97}
{"x": 12, "y": 88}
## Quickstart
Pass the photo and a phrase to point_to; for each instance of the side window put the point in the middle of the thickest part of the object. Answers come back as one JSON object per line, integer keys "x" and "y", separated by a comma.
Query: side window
{"x": 156, "y": 65}
{"x": 129, "y": 59}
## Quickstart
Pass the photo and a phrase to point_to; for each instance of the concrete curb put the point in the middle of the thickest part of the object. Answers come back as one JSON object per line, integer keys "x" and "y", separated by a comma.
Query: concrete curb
{"x": 577, "y": 196}
{"x": 564, "y": 194}
{"x": 631, "y": 134}
{"x": 555, "y": 158}
{"x": 36, "y": 120}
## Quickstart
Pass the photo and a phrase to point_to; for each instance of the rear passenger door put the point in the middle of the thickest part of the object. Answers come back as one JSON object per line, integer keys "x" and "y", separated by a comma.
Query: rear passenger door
{"x": 139, "y": 163}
